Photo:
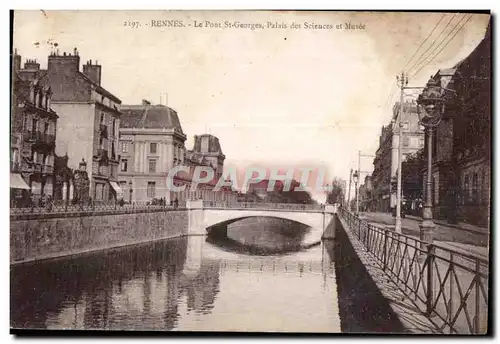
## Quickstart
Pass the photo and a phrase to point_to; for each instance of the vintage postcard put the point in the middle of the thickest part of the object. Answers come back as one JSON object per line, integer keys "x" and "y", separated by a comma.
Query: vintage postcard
{"x": 250, "y": 171}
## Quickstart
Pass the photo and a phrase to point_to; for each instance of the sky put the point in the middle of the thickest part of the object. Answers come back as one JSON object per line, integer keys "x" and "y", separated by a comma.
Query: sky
{"x": 275, "y": 97}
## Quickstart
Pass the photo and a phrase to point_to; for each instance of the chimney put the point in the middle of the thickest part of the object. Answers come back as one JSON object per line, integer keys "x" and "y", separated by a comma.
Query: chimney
{"x": 31, "y": 64}
{"x": 93, "y": 71}
{"x": 65, "y": 64}
{"x": 16, "y": 61}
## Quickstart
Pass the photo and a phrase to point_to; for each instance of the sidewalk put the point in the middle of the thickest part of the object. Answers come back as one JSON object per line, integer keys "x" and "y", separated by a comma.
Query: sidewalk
{"x": 473, "y": 241}
{"x": 462, "y": 225}
{"x": 455, "y": 293}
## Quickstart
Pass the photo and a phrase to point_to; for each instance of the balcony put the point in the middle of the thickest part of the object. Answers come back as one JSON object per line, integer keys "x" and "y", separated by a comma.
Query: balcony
{"x": 39, "y": 138}
{"x": 30, "y": 167}
{"x": 102, "y": 155}
{"x": 101, "y": 152}
{"x": 103, "y": 130}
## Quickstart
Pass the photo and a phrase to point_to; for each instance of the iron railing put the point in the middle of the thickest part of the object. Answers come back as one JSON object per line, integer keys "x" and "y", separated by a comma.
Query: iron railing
{"x": 256, "y": 205}
{"x": 95, "y": 206}
{"x": 448, "y": 286}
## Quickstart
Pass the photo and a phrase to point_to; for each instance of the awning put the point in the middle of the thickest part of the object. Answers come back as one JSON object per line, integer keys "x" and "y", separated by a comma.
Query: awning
{"x": 17, "y": 182}
{"x": 117, "y": 188}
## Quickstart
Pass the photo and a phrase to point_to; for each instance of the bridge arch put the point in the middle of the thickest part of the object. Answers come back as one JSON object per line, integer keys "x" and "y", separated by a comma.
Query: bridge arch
{"x": 214, "y": 218}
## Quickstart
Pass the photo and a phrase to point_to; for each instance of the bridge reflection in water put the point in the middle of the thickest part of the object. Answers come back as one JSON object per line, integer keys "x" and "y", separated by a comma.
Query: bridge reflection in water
{"x": 189, "y": 283}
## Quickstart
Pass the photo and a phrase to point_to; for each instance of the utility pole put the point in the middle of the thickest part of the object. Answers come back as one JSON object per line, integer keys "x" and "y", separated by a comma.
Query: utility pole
{"x": 349, "y": 192}
{"x": 403, "y": 81}
{"x": 359, "y": 171}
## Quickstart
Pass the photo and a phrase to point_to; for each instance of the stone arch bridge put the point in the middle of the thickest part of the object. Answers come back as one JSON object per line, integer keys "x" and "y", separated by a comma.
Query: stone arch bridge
{"x": 205, "y": 216}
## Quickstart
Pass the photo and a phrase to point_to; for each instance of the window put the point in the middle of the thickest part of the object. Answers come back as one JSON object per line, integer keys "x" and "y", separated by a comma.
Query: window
{"x": 484, "y": 188}
{"x": 34, "y": 125}
{"x": 114, "y": 125}
{"x": 405, "y": 126}
{"x": 475, "y": 188}
{"x": 99, "y": 191}
{"x": 421, "y": 142}
{"x": 466, "y": 188}
{"x": 102, "y": 117}
{"x": 152, "y": 165}
{"x": 406, "y": 141}
{"x": 124, "y": 165}
{"x": 26, "y": 121}
{"x": 151, "y": 189}
{"x": 124, "y": 147}
{"x": 152, "y": 148}
{"x": 46, "y": 128}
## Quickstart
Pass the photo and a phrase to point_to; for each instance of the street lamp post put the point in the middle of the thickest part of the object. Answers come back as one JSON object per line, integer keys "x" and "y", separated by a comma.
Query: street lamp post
{"x": 403, "y": 81}
{"x": 131, "y": 191}
{"x": 430, "y": 110}
{"x": 355, "y": 178}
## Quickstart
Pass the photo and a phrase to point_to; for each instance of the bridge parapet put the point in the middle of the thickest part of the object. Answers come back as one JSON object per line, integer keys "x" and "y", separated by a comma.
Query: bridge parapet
{"x": 265, "y": 206}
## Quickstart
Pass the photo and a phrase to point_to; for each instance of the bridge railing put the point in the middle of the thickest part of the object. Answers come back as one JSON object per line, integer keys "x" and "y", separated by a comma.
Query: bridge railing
{"x": 257, "y": 205}
{"x": 449, "y": 286}
{"x": 51, "y": 208}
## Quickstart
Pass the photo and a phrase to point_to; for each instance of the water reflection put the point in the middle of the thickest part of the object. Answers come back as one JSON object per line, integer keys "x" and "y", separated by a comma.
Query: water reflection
{"x": 183, "y": 284}
{"x": 262, "y": 236}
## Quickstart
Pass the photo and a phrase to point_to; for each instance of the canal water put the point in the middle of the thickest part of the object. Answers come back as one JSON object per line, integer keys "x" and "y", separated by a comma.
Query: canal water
{"x": 260, "y": 278}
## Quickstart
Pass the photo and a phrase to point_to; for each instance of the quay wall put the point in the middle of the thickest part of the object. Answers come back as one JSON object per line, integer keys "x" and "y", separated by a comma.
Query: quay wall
{"x": 43, "y": 236}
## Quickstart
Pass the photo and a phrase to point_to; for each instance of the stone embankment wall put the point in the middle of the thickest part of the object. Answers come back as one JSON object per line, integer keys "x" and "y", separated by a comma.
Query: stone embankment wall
{"x": 41, "y": 236}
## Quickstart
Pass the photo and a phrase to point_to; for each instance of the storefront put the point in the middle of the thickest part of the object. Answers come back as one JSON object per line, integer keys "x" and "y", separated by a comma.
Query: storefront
{"x": 19, "y": 191}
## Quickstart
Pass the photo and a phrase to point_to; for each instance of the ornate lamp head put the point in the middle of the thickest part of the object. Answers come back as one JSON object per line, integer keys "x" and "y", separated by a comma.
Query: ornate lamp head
{"x": 355, "y": 176}
{"x": 430, "y": 104}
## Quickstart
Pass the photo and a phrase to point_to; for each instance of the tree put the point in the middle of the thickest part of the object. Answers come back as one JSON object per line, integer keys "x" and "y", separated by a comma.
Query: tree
{"x": 336, "y": 194}
{"x": 412, "y": 176}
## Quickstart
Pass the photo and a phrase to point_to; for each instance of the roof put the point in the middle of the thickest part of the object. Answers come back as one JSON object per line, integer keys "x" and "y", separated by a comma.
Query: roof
{"x": 213, "y": 144}
{"x": 99, "y": 88}
{"x": 196, "y": 157}
{"x": 150, "y": 117}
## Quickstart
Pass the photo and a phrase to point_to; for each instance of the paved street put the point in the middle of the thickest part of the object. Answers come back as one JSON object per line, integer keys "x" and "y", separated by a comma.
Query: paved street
{"x": 452, "y": 237}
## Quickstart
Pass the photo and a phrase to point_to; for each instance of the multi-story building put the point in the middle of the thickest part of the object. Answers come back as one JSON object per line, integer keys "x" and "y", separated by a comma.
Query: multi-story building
{"x": 89, "y": 121}
{"x": 472, "y": 133}
{"x": 151, "y": 143}
{"x": 33, "y": 132}
{"x": 207, "y": 152}
{"x": 386, "y": 157}
{"x": 365, "y": 194}
{"x": 461, "y": 166}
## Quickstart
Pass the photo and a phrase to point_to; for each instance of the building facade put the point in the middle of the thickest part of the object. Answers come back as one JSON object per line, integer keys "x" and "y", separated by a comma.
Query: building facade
{"x": 461, "y": 170}
{"x": 89, "y": 121}
{"x": 33, "y": 134}
{"x": 365, "y": 195}
{"x": 386, "y": 158}
{"x": 151, "y": 143}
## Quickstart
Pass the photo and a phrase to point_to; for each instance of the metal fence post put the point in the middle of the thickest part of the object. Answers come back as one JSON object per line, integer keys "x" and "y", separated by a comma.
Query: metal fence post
{"x": 478, "y": 300}
{"x": 385, "y": 249}
{"x": 431, "y": 250}
{"x": 368, "y": 228}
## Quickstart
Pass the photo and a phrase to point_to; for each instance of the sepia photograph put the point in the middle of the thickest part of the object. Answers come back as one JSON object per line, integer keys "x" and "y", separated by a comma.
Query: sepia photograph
{"x": 250, "y": 171}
